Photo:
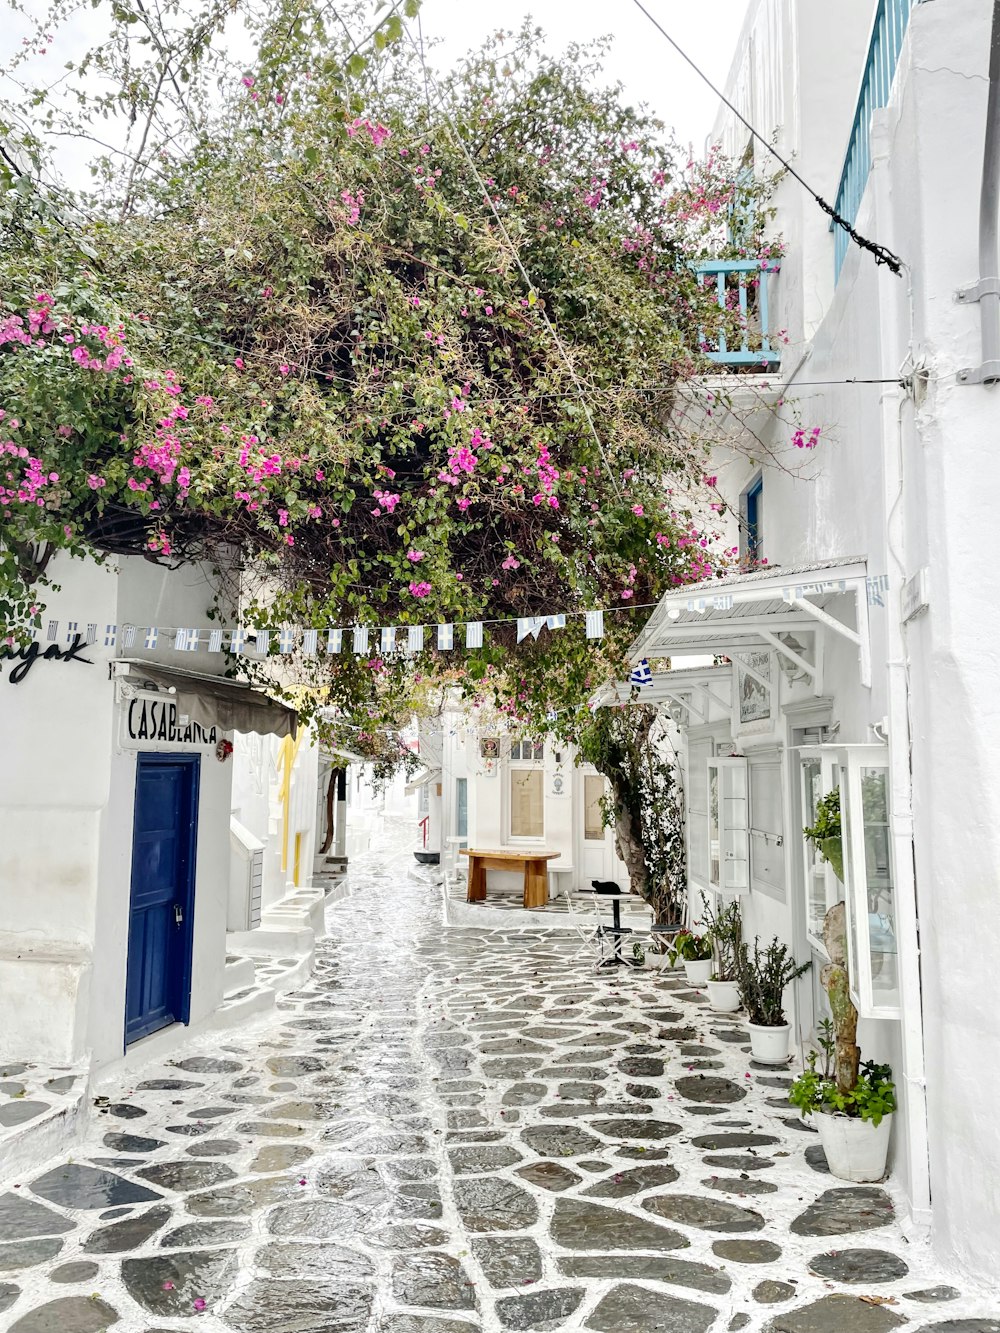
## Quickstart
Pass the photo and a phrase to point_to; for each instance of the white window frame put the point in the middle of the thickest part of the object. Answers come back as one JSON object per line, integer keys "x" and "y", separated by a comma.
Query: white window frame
{"x": 733, "y": 820}
{"x": 519, "y": 765}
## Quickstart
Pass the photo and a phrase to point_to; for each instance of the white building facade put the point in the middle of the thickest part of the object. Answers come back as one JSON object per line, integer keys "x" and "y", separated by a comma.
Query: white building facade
{"x": 863, "y": 658}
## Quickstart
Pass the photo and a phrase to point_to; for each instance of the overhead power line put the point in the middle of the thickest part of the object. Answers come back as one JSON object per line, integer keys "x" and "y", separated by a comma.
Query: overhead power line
{"x": 881, "y": 253}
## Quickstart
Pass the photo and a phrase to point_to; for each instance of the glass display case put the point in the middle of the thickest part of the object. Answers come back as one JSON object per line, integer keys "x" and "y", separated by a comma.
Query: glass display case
{"x": 819, "y": 774}
{"x": 728, "y": 826}
{"x": 868, "y": 871}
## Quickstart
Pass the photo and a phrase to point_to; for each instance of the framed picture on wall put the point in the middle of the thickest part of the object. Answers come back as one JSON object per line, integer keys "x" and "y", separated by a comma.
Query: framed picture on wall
{"x": 754, "y": 689}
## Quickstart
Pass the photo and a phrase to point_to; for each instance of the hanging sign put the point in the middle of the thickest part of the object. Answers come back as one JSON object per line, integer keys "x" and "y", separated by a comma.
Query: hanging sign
{"x": 155, "y": 724}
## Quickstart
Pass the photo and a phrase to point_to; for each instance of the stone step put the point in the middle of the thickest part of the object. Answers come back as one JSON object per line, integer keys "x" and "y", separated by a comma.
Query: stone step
{"x": 238, "y": 974}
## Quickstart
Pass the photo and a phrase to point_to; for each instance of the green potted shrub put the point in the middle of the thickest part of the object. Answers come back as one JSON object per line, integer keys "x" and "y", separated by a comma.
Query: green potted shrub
{"x": 762, "y": 977}
{"x": 695, "y": 951}
{"x": 853, "y": 1102}
{"x": 825, "y": 832}
{"x": 726, "y": 930}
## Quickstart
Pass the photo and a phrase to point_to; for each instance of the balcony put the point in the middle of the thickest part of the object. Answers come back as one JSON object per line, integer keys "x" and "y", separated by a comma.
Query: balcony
{"x": 888, "y": 31}
{"x": 743, "y": 338}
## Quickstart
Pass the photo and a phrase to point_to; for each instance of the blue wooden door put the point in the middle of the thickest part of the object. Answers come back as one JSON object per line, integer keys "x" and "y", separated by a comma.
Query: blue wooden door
{"x": 158, "y": 985}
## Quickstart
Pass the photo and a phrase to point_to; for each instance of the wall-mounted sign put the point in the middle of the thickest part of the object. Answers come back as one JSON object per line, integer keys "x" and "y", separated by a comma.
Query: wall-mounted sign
{"x": 28, "y": 654}
{"x": 155, "y": 724}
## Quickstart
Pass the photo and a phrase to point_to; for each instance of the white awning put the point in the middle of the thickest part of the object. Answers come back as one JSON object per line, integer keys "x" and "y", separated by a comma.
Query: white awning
{"x": 213, "y": 701}
{"x": 786, "y": 609}
{"x": 696, "y": 688}
{"x": 422, "y": 779}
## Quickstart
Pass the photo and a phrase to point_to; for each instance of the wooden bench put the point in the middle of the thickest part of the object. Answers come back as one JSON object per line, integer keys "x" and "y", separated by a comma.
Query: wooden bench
{"x": 536, "y": 884}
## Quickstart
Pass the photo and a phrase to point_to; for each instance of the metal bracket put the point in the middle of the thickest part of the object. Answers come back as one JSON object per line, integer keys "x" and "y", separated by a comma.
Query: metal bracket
{"x": 984, "y": 287}
{"x": 987, "y": 373}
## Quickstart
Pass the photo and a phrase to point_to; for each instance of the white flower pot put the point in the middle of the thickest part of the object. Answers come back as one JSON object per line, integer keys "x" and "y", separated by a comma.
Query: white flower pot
{"x": 769, "y": 1045}
{"x": 855, "y": 1149}
{"x": 698, "y": 973}
{"x": 724, "y": 996}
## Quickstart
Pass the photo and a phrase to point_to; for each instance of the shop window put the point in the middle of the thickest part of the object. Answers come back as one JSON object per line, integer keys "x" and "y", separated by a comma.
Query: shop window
{"x": 767, "y": 827}
{"x": 728, "y": 825}
{"x": 699, "y": 753}
{"x": 527, "y": 803}
{"x": 593, "y": 815}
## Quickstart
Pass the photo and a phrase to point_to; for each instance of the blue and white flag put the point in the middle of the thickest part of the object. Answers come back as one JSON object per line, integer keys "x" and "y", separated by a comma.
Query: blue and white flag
{"x": 556, "y": 622}
{"x": 53, "y": 631}
{"x": 215, "y": 641}
{"x": 334, "y": 641}
{"x": 595, "y": 624}
{"x": 237, "y": 640}
{"x": 474, "y": 634}
{"x": 641, "y": 675}
{"x": 529, "y": 627}
{"x": 387, "y": 643}
{"x": 152, "y": 634}
{"x": 446, "y": 636}
{"x": 263, "y": 641}
{"x": 128, "y": 636}
{"x": 360, "y": 639}
{"x": 286, "y": 640}
{"x": 310, "y": 638}
{"x": 110, "y": 635}
{"x": 415, "y": 639}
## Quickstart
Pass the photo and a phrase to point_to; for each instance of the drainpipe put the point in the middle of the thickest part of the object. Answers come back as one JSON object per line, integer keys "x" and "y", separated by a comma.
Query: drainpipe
{"x": 987, "y": 290}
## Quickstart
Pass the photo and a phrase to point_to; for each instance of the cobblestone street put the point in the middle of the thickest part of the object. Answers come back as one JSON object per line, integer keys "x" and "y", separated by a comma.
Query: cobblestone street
{"x": 452, "y": 1132}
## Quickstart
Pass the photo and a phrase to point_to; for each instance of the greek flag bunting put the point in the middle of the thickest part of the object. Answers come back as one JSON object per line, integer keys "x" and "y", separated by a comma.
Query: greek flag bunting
{"x": 415, "y": 639}
{"x": 110, "y": 635}
{"x": 91, "y": 632}
{"x": 334, "y": 642}
{"x": 215, "y": 641}
{"x": 286, "y": 640}
{"x": 152, "y": 634}
{"x": 309, "y": 641}
{"x": 237, "y": 639}
{"x": 128, "y": 636}
{"x": 446, "y": 636}
{"x": 474, "y": 634}
{"x": 53, "y": 631}
{"x": 387, "y": 642}
{"x": 72, "y": 630}
{"x": 360, "y": 638}
{"x": 263, "y": 640}
{"x": 595, "y": 624}
{"x": 641, "y": 675}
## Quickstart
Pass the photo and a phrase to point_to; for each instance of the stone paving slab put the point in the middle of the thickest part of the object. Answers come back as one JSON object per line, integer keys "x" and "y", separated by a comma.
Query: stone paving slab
{"x": 461, "y": 1131}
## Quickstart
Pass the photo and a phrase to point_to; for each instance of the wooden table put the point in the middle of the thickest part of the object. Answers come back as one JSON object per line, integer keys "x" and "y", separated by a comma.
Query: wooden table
{"x": 536, "y": 879}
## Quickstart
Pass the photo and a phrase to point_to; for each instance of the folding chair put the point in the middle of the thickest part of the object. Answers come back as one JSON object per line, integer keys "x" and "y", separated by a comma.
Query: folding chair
{"x": 591, "y": 940}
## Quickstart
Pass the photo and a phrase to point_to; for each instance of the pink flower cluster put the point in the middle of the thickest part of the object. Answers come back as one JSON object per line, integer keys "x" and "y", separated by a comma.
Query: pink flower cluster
{"x": 379, "y": 133}
{"x": 802, "y": 440}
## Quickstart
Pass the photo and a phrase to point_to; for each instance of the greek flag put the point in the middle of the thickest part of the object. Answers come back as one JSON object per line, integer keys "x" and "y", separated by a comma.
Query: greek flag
{"x": 595, "y": 624}
{"x": 360, "y": 644}
{"x": 446, "y": 636}
{"x": 215, "y": 641}
{"x": 641, "y": 675}
{"x": 388, "y": 640}
{"x": 474, "y": 634}
{"x": 310, "y": 641}
{"x": 415, "y": 639}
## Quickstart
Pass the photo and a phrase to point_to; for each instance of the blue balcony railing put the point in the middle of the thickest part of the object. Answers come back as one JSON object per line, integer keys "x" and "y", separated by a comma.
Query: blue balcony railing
{"x": 888, "y": 30}
{"x": 744, "y": 337}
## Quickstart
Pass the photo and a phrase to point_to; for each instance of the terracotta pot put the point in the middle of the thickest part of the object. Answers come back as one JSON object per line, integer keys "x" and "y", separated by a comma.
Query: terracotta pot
{"x": 855, "y": 1149}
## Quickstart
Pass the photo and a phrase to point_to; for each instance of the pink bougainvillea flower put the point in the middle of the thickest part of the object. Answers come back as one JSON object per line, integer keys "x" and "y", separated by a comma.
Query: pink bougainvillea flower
{"x": 415, "y": 556}
{"x": 199, "y": 1302}
{"x": 168, "y": 1286}
{"x": 420, "y": 589}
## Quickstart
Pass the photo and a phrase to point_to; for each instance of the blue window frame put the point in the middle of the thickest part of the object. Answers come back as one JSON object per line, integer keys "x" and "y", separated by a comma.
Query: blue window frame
{"x": 753, "y": 520}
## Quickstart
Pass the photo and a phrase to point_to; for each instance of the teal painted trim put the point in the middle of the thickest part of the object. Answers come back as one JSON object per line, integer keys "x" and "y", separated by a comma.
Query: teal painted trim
{"x": 766, "y": 355}
{"x": 886, "y": 42}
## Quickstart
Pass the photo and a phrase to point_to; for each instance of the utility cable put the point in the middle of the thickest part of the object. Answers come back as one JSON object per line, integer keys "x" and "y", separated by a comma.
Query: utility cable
{"x": 881, "y": 253}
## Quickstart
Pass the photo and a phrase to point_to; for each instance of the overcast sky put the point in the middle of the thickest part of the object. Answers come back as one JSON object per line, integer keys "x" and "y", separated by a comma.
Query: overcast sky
{"x": 640, "y": 58}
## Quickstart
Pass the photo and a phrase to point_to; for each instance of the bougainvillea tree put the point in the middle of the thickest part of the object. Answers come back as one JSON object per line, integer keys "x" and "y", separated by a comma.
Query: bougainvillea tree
{"x": 409, "y": 345}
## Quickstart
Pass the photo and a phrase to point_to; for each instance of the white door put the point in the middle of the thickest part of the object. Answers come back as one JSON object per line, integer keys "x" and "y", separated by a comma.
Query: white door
{"x": 596, "y": 857}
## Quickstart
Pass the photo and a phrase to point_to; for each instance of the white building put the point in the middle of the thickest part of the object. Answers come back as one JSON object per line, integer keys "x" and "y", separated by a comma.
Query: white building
{"x": 872, "y": 626}
{"x": 120, "y": 877}
{"x": 495, "y": 790}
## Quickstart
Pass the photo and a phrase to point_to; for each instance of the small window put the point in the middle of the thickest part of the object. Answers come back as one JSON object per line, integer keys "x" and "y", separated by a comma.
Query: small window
{"x": 752, "y": 535}
{"x": 461, "y": 807}
{"x": 530, "y": 752}
{"x": 527, "y": 805}
{"x": 593, "y": 815}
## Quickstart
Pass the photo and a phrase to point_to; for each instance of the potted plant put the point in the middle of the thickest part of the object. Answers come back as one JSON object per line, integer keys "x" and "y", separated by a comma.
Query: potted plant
{"x": 854, "y": 1102}
{"x": 762, "y": 978}
{"x": 726, "y": 931}
{"x": 638, "y": 954}
{"x": 695, "y": 952}
{"x": 825, "y": 832}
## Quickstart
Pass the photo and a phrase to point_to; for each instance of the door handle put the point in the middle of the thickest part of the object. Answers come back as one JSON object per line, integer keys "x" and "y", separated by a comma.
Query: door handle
{"x": 178, "y": 914}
